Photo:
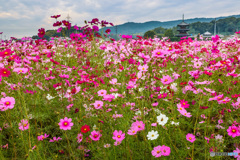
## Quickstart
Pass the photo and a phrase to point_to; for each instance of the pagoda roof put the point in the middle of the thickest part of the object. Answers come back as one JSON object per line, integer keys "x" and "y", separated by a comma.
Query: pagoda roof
{"x": 183, "y": 24}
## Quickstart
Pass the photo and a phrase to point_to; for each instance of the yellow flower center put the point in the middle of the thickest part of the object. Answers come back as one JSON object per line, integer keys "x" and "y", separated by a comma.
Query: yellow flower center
{"x": 6, "y": 52}
{"x": 158, "y": 151}
{"x": 25, "y": 125}
{"x": 143, "y": 68}
{"x": 4, "y": 72}
{"x": 158, "y": 53}
{"x": 166, "y": 80}
{"x": 65, "y": 124}
{"x": 7, "y": 103}
{"x": 20, "y": 71}
{"x": 85, "y": 129}
{"x": 190, "y": 138}
{"x": 233, "y": 130}
{"x": 184, "y": 103}
{"x": 152, "y": 135}
{"x": 118, "y": 136}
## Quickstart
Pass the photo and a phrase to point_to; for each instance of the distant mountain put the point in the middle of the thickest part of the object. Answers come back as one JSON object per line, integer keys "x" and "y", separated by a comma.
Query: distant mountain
{"x": 132, "y": 28}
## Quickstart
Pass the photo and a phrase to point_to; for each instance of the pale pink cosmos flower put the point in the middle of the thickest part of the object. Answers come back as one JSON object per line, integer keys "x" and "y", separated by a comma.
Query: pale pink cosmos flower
{"x": 79, "y": 137}
{"x": 98, "y": 104}
{"x": 65, "y": 123}
{"x": 143, "y": 68}
{"x": 102, "y": 92}
{"x": 118, "y": 135}
{"x": 190, "y": 137}
{"x": 24, "y": 125}
{"x": 133, "y": 130}
{"x": 107, "y": 145}
{"x": 180, "y": 108}
{"x": 116, "y": 143}
{"x": 233, "y": 131}
{"x": 166, "y": 79}
{"x": 55, "y": 139}
{"x": 186, "y": 114}
{"x": 42, "y": 137}
{"x": 95, "y": 135}
{"x": 139, "y": 124}
{"x": 156, "y": 152}
{"x": 7, "y": 103}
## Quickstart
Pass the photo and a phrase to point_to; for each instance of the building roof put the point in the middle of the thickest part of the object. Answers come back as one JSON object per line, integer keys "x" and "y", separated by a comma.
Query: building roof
{"x": 183, "y": 24}
{"x": 207, "y": 34}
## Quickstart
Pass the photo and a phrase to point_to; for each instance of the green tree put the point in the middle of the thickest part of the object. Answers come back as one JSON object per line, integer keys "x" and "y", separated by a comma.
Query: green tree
{"x": 169, "y": 33}
{"x": 149, "y": 34}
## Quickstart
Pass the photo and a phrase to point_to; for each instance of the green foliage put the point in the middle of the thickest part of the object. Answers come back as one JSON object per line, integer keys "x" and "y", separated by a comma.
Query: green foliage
{"x": 149, "y": 34}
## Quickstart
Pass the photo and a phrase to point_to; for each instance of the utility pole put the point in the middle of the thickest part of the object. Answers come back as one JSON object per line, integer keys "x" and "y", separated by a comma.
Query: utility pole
{"x": 215, "y": 27}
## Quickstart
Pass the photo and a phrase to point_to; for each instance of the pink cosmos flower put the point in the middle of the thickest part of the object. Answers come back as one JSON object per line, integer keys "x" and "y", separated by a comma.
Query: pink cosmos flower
{"x": 186, "y": 114}
{"x": 156, "y": 152}
{"x": 7, "y": 103}
{"x": 131, "y": 85}
{"x": 233, "y": 131}
{"x": 95, "y": 135}
{"x": 190, "y": 137}
{"x": 118, "y": 135}
{"x": 165, "y": 150}
{"x": 98, "y": 104}
{"x": 79, "y": 137}
{"x": 55, "y": 139}
{"x": 238, "y": 153}
{"x": 139, "y": 124}
{"x": 166, "y": 79}
{"x": 65, "y": 123}
{"x": 159, "y": 53}
{"x": 20, "y": 70}
{"x": 69, "y": 106}
{"x": 181, "y": 109}
{"x": 24, "y": 125}
{"x": 102, "y": 92}
{"x": 116, "y": 143}
{"x": 133, "y": 130}
{"x": 143, "y": 68}
{"x": 42, "y": 137}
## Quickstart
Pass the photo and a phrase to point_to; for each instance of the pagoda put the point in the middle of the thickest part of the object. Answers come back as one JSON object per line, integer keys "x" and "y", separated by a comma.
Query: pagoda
{"x": 183, "y": 27}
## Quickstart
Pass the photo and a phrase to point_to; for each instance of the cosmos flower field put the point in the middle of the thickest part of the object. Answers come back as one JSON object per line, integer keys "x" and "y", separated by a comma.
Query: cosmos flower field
{"x": 88, "y": 98}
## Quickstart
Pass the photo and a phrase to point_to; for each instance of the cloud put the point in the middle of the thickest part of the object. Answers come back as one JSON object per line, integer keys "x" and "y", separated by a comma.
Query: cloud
{"x": 24, "y": 17}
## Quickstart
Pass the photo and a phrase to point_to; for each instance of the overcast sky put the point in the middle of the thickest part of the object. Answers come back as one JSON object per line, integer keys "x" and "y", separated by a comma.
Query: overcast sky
{"x": 19, "y": 18}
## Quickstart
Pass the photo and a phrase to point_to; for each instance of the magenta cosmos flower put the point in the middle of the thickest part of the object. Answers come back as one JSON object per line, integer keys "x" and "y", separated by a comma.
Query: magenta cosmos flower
{"x": 165, "y": 150}
{"x": 190, "y": 137}
{"x": 65, "y": 123}
{"x": 23, "y": 125}
{"x": 166, "y": 79}
{"x": 95, "y": 135}
{"x": 4, "y": 72}
{"x": 118, "y": 135}
{"x": 233, "y": 131}
{"x": 42, "y": 137}
{"x": 7, "y": 103}
{"x": 184, "y": 103}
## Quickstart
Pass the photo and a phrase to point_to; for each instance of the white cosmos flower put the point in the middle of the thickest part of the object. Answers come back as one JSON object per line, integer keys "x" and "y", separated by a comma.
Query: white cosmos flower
{"x": 162, "y": 119}
{"x": 157, "y": 111}
{"x": 140, "y": 89}
{"x": 49, "y": 97}
{"x": 115, "y": 94}
{"x": 152, "y": 135}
